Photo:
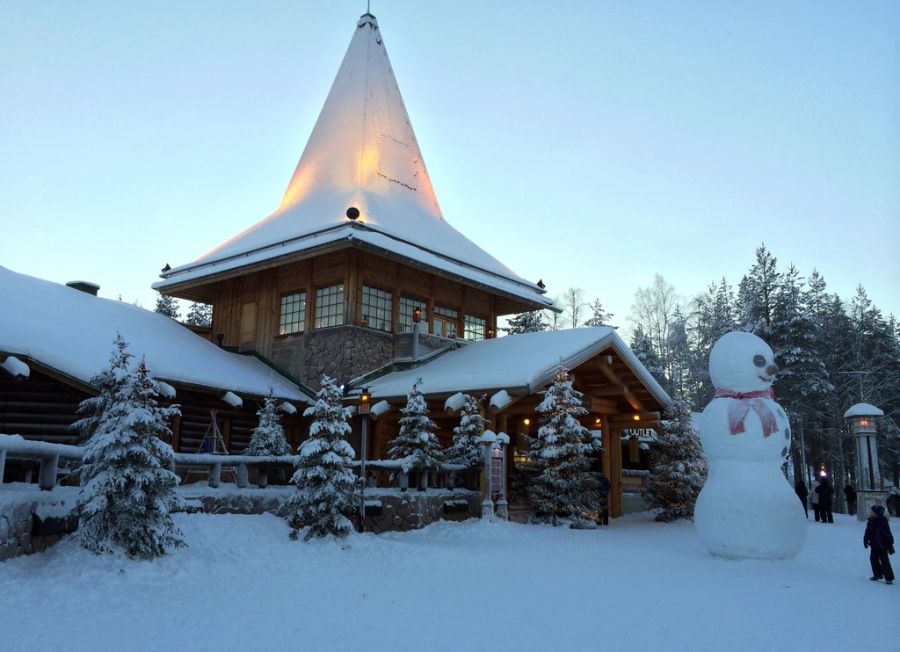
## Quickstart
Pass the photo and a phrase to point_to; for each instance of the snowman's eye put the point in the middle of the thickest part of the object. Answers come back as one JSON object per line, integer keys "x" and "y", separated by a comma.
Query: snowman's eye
{"x": 759, "y": 361}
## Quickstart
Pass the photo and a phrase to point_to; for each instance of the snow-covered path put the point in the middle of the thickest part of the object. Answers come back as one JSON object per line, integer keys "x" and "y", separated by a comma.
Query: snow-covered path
{"x": 243, "y": 585}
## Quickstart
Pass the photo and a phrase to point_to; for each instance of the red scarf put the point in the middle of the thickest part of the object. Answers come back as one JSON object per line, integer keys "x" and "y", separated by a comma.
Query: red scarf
{"x": 743, "y": 403}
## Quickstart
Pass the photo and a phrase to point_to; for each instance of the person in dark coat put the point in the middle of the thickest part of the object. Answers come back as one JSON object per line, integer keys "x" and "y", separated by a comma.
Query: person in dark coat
{"x": 826, "y": 500}
{"x": 604, "y": 499}
{"x": 850, "y": 495}
{"x": 802, "y": 494}
{"x": 880, "y": 541}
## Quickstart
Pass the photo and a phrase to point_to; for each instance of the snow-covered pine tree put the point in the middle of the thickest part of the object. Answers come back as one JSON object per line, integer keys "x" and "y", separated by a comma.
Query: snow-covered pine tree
{"x": 526, "y": 322}
{"x": 166, "y": 305}
{"x": 677, "y": 466}
{"x": 599, "y": 316}
{"x": 268, "y": 436}
{"x": 127, "y": 490}
{"x": 199, "y": 314}
{"x": 324, "y": 501}
{"x": 642, "y": 347}
{"x": 565, "y": 488}
{"x": 416, "y": 443}
{"x": 466, "y": 449}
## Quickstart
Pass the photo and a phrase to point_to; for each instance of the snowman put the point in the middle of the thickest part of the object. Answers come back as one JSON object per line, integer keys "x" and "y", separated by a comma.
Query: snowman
{"x": 747, "y": 508}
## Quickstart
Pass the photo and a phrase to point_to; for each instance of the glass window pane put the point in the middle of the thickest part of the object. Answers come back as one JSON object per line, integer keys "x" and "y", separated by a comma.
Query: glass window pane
{"x": 292, "y": 317}
{"x": 407, "y": 305}
{"x": 377, "y": 306}
{"x": 329, "y": 306}
{"x": 475, "y": 328}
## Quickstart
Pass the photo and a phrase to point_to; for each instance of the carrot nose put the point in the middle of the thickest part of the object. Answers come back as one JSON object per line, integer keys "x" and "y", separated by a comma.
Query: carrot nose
{"x": 772, "y": 369}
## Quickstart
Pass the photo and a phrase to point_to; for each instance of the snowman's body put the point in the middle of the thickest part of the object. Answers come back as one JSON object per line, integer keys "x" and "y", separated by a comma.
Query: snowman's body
{"x": 747, "y": 508}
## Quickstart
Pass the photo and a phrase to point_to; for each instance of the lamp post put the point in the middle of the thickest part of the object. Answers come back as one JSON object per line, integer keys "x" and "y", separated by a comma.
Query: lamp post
{"x": 487, "y": 440}
{"x": 870, "y": 488}
{"x": 365, "y": 404}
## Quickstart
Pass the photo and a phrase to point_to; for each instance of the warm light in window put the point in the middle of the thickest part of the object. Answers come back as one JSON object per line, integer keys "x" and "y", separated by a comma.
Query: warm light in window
{"x": 636, "y": 417}
{"x": 527, "y": 422}
{"x": 597, "y": 421}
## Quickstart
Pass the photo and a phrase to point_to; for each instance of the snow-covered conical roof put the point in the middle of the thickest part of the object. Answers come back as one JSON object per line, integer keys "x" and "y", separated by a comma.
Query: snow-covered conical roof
{"x": 362, "y": 154}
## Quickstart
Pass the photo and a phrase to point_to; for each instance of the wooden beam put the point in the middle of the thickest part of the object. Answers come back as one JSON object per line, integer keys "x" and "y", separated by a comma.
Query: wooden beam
{"x": 602, "y": 406}
{"x": 614, "y": 378}
{"x": 643, "y": 421}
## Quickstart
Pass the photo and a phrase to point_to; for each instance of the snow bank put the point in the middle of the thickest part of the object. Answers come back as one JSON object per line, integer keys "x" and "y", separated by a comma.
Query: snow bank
{"x": 634, "y": 586}
{"x": 15, "y": 367}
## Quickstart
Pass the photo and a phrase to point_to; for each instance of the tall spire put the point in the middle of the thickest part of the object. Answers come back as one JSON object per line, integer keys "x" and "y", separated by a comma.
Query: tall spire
{"x": 361, "y": 177}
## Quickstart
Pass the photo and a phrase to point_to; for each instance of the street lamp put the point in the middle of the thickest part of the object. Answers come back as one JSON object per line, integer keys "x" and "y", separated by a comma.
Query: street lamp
{"x": 365, "y": 405}
{"x": 870, "y": 489}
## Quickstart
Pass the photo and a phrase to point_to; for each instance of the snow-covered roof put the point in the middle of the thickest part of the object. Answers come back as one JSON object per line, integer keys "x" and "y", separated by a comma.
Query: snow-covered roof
{"x": 362, "y": 153}
{"x": 526, "y": 361}
{"x": 72, "y": 332}
{"x": 863, "y": 410}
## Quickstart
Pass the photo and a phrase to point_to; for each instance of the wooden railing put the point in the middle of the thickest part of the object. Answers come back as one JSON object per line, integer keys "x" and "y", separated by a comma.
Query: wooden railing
{"x": 379, "y": 473}
{"x": 15, "y": 447}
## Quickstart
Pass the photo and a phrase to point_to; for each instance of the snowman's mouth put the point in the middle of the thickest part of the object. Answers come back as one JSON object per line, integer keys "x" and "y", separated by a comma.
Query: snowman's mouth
{"x": 765, "y": 379}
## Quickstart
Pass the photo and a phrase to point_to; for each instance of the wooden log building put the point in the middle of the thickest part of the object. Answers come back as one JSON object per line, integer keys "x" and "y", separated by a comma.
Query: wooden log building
{"x": 356, "y": 275}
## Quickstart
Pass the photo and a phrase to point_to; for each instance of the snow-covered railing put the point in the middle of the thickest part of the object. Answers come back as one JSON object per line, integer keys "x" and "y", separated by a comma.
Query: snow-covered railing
{"x": 241, "y": 464}
{"x": 388, "y": 471}
{"x": 46, "y": 454}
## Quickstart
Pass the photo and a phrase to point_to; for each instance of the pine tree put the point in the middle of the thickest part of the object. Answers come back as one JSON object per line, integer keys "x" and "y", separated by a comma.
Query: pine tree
{"x": 325, "y": 498}
{"x": 466, "y": 449}
{"x": 526, "y": 322}
{"x": 565, "y": 488}
{"x": 268, "y": 436}
{"x": 416, "y": 443}
{"x": 756, "y": 293}
{"x": 803, "y": 379}
{"x": 199, "y": 314}
{"x": 599, "y": 316}
{"x": 166, "y": 305}
{"x": 677, "y": 466}
{"x": 127, "y": 490}
{"x": 642, "y": 347}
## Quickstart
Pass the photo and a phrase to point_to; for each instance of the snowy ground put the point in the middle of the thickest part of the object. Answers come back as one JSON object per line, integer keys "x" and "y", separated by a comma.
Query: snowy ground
{"x": 638, "y": 585}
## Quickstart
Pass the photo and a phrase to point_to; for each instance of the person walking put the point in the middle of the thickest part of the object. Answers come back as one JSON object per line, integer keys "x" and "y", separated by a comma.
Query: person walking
{"x": 880, "y": 541}
{"x": 802, "y": 494}
{"x": 850, "y": 495}
{"x": 826, "y": 499}
{"x": 814, "y": 499}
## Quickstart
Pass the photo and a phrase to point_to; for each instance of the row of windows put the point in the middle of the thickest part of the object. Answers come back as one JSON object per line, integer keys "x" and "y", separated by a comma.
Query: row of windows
{"x": 376, "y": 311}
{"x": 329, "y": 310}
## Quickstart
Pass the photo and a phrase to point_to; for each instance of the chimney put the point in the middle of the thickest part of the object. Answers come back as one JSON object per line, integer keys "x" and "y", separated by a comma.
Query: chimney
{"x": 84, "y": 286}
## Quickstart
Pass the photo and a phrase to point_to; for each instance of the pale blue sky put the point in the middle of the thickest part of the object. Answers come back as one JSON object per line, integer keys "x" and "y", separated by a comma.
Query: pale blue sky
{"x": 586, "y": 143}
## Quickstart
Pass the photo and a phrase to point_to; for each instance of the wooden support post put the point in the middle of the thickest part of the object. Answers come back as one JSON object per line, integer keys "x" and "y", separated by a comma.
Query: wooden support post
{"x": 243, "y": 476}
{"x": 404, "y": 480}
{"x": 615, "y": 472}
{"x": 47, "y": 473}
{"x": 215, "y": 474}
{"x": 176, "y": 433}
{"x": 2, "y": 464}
{"x": 262, "y": 477}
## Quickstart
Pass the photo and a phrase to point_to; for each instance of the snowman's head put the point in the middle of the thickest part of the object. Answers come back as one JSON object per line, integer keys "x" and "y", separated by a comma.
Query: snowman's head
{"x": 742, "y": 362}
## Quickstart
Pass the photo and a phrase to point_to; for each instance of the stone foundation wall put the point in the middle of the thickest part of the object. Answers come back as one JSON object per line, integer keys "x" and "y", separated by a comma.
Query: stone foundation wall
{"x": 411, "y": 510}
{"x": 342, "y": 352}
{"x": 31, "y": 524}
